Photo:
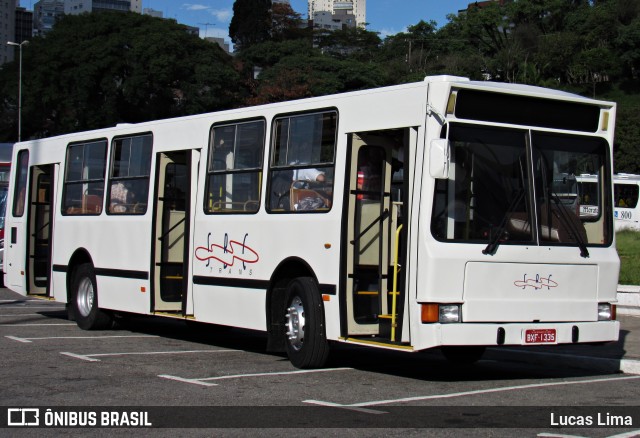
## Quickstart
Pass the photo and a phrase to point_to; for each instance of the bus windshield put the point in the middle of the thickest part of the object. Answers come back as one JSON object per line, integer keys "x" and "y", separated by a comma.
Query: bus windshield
{"x": 501, "y": 181}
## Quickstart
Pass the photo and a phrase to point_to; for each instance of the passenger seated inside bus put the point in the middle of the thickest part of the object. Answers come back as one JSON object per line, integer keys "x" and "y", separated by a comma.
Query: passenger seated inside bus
{"x": 122, "y": 199}
{"x": 299, "y": 190}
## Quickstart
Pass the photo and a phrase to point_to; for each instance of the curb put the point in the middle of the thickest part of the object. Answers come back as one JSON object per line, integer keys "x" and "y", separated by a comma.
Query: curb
{"x": 627, "y": 366}
{"x": 628, "y": 300}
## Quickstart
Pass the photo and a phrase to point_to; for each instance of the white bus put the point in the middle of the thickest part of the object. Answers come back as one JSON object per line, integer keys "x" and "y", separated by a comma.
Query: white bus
{"x": 408, "y": 217}
{"x": 626, "y": 190}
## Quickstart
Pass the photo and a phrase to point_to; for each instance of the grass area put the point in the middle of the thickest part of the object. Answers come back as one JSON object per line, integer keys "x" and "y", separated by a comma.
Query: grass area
{"x": 628, "y": 243}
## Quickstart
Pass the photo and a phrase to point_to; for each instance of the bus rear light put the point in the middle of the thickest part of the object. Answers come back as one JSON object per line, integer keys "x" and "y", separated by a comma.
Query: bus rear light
{"x": 606, "y": 312}
{"x": 442, "y": 313}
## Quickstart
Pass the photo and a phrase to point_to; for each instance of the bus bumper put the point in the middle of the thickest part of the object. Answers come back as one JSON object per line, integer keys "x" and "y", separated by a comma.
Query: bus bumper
{"x": 490, "y": 334}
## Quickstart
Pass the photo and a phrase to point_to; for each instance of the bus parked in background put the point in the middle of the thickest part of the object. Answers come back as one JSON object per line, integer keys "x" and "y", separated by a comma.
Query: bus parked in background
{"x": 5, "y": 169}
{"x": 424, "y": 215}
{"x": 626, "y": 190}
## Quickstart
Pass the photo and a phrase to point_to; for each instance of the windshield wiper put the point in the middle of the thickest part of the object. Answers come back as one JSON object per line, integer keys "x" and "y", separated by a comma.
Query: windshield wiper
{"x": 495, "y": 241}
{"x": 566, "y": 220}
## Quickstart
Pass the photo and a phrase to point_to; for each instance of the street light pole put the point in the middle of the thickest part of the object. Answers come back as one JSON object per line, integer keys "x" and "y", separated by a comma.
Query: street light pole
{"x": 11, "y": 43}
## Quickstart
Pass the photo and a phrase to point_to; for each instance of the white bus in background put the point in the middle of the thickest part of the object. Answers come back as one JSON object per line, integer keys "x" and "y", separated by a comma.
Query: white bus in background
{"x": 407, "y": 218}
{"x": 626, "y": 191}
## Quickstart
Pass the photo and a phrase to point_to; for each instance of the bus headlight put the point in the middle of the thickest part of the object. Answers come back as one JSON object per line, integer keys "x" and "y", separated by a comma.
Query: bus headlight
{"x": 442, "y": 313}
{"x": 449, "y": 313}
{"x": 606, "y": 312}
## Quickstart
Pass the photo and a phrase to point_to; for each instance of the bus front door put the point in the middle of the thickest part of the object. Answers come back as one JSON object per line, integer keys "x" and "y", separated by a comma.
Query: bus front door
{"x": 375, "y": 198}
{"x": 172, "y": 229}
{"x": 39, "y": 222}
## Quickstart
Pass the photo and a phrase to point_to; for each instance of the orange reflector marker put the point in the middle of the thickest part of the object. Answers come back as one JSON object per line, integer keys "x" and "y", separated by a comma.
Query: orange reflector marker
{"x": 143, "y": 289}
{"x": 614, "y": 311}
{"x": 21, "y": 272}
{"x": 429, "y": 313}
{"x": 326, "y": 297}
{"x": 327, "y": 245}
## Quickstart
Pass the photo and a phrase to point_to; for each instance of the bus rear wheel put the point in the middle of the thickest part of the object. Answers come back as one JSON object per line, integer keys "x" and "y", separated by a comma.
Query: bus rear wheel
{"x": 84, "y": 301}
{"x": 306, "y": 340}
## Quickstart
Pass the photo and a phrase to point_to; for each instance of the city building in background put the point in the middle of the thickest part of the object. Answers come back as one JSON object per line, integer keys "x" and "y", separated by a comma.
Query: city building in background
{"x": 7, "y": 29}
{"x": 221, "y": 42}
{"x": 45, "y": 15}
{"x": 152, "y": 13}
{"x": 24, "y": 25}
{"x": 341, "y": 13}
{"x": 75, "y": 7}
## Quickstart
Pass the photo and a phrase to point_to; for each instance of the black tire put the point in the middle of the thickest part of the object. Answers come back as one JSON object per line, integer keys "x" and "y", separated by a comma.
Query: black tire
{"x": 305, "y": 339}
{"x": 84, "y": 300}
{"x": 464, "y": 355}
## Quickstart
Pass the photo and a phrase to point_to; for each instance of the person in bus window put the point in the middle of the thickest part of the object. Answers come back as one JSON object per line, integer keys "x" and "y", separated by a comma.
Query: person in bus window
{"x": 121, "y": 197}
{"x": 302, "y": 154}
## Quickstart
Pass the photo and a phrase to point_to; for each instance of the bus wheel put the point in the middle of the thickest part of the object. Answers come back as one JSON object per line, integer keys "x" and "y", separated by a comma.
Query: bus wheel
{"x": 306, "y": 340}
{"x": 85, "y": 300}
{"x": 463, "y": 355}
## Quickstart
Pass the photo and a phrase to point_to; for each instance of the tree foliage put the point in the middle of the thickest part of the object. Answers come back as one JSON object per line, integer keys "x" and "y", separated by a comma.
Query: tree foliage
{"x": 251, "y": 23}
{"x": 96, "y": 70}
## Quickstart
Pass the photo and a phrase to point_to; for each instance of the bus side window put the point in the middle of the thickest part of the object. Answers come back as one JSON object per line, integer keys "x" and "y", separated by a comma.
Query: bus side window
{"x": 130, "y": 174}
{"x": 234, "y": 173}
{"x": 302, "y": 163}
{"x": 84, "y": 178}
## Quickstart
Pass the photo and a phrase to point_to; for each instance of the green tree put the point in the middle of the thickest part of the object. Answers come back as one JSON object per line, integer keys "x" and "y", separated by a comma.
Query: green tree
{"x": 96, "y": 70}
{"x": 287, "y": 24}
{"x": 251, "y": 23}
{"x": 314, "y": 74}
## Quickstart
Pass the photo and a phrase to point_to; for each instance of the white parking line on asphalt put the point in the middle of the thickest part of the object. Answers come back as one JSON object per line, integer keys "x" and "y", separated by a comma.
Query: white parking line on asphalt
{"x": 35, "y": 324}
{"x": 204, "y": 381}
{"x": 22, "y": 307}
{"x": 465, "y": 393}
{"x": 28, "y": 340}
{"x": 90, "y": 357}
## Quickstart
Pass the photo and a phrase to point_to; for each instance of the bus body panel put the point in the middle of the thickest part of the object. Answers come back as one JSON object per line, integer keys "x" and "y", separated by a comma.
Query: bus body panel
{"x": 487, "y": 334}
{"x": 530, "y": 292}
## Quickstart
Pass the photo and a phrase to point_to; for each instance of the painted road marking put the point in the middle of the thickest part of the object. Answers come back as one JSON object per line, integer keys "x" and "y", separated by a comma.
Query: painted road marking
{"x": 22, "y": 307}
{"x": 91, "y": 357}
{"x": 34, "y": 324}
{"x": 28, "y": 340}
{"x": 465, "y": 393}
{"x": 204, "y": 381}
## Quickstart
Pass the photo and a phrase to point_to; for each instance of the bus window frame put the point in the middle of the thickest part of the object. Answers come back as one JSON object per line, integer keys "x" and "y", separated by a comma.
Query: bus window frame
{"x": 21, "y": 181}
{"x": 259, "y": 170}
{"x": 64, "y": 210}
{"x": 110, "y": 180}
{"x": 274, "y": 168}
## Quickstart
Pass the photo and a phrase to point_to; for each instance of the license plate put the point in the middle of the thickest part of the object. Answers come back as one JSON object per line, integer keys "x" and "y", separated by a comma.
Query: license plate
{"x": 540, "y": 336}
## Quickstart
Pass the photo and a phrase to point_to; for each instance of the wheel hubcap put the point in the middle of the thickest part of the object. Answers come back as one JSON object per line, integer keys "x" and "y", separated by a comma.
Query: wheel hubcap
{"x": 295, "y": 323}
{"x": 85, "y": 297}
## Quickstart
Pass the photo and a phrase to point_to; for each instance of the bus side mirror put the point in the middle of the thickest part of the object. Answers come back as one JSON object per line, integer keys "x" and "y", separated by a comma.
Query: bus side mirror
{"x": 439, "y": 153}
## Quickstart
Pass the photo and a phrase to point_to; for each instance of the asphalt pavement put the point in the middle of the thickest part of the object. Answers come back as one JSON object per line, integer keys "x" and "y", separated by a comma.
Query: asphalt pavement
{"x": 621, "y": 356}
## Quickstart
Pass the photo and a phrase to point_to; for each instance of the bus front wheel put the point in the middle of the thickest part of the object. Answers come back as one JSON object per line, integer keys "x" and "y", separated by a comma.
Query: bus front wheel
{"x": 306, "y": 340}
{"x": 85, "y": 300}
